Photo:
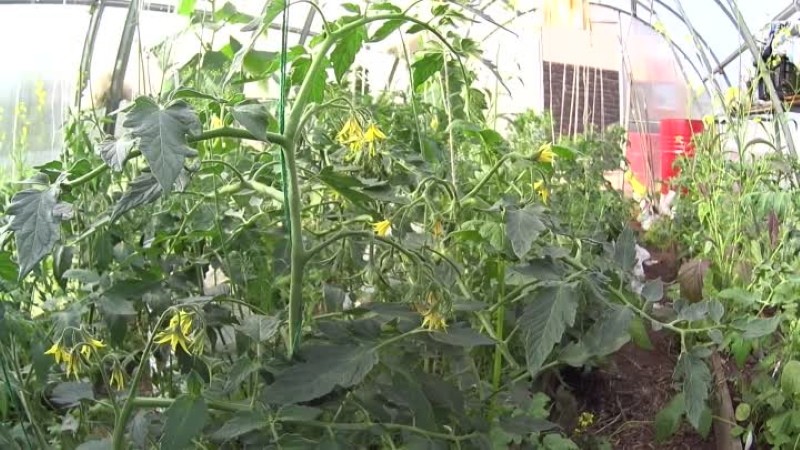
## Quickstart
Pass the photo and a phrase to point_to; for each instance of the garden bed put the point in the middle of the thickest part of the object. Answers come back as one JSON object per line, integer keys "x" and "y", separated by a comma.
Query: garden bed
{"x": 626, "y": 395}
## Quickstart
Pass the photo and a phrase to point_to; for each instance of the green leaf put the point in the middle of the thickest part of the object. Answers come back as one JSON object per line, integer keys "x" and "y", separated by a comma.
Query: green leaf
{"x": 345, "y": 51}
{"x": 625, "y": 250}
{"x": 385, "y": 6}
{"x": 653, "y": 291}
{"x": 610, "y": 332}
{"x": 259, "y": 328}
{"x": 34, "y": 225}
{"x": 607, "y": 335}
{"x": 790, "y": 378}
{"x": 241, "y": 423}
{"x": 115, "y": 306}
{"x": 162, "y": 136}
{"x": 114, "y": 152}
{"x": 325, "y": 368}
{"x": 696, "y": 383}
{"x": 143, "y": 189}
{"x": 639, "y": 335}
{"x": 756, "y": 328}
{"x": 298, "y": 412}
{"x": 548, "y": 313}
{"x": 82, "y": 276}
{"x": 352, "y": 7}
{"x": 564, "y": 152}
{"x": 96, "y": 444}
{"x": 742, "y": 412}
{"x": 346, "y": 185}
{"x": 462, "y": 337}
{"x": 523, "y": 227}
{"x": 142, "y": 430}
{"x": 186, "y": 7}
{"x": 185, "y": 420}
{"x": 668, "y": 420}
{"x": 558, "y": 442}
{"x": 693, "y": 312}
{"x": 254, "y": 117}
{"x": 425, "y": 67}
{"x": 388, "y": 27}
{"x": 738, "y": 296}
{"x": 300, "y": 68}
{"x": 71, "y": 393}
{"x": 8, "y": 268}
{"x": 525, "y": 425}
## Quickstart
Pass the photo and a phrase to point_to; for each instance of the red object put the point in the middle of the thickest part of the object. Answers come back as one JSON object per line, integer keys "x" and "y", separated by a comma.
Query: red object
{"x": 641, "y": 147}
{"x": 675, "y": 139}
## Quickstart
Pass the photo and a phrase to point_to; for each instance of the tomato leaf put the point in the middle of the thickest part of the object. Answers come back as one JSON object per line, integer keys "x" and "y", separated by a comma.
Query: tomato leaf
{"x": 425, "y": 67}
{"x": 162, "y": 136}
{"x": 325, "y": 368}
{"x": 35, "y": 226}
{"x": 241, "y": 423}
{"x": 185, "y": 420}
{"x": 115, "y": 152}
{"x": 254, "y": 117}
{"x": 668, "y": 420}
{"x": 142, "y": 190}
{"x": 696, "y": 383}
{"x": 523, "y": 227}
{"x": 548, "y": 313}
{"x": 344, "y": 53}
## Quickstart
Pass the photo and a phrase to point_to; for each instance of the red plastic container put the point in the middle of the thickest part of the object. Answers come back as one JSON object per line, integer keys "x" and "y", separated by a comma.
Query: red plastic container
{"x": 641, "y": 147}
{"x": 675, "y": 140}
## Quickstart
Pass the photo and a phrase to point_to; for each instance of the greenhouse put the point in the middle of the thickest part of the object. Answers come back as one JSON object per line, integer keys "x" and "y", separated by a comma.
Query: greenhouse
{"x": 397, "y": 224}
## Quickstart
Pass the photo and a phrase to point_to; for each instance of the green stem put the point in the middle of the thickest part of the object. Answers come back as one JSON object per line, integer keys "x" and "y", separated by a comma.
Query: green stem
{"x": 313, "y": 251}
{"x": 500, "y": 319}
{"x": 491, "y": 172}
{"x": 118, "y": 437}
{"x": 148, "y": 402}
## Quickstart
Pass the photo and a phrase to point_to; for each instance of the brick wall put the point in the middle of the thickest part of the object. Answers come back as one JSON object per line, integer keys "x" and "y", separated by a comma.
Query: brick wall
{"x": 594, "y": 102}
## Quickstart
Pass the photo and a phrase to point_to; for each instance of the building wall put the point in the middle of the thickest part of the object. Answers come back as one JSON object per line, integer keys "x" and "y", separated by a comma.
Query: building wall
{"x": 580, "y": 97}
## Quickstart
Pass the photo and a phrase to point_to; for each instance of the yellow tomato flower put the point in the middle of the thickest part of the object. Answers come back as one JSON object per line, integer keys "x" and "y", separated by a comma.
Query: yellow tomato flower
{"x": 351, "y": 134}
{"x": 543, "y": 192}
{"x": 117, "y": 380}
{"x": 434, "y": 321}
{"x": 59, "y": 351}
{"x": 90, "y": 345}
{"x": 438, "y": 229}
{"x": 72, "y": 362}
{"x": 382, "y": 228}
{"x": 216, "y": 122}
{"x": 546, "y": 154}
{"x": 178, "y": 332}
{"x": 585, "y": 420}
{"x": 372, "y": 136}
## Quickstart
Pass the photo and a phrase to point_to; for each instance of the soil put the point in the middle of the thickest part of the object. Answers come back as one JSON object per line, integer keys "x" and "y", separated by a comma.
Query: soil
{"x": 626, "y": 394}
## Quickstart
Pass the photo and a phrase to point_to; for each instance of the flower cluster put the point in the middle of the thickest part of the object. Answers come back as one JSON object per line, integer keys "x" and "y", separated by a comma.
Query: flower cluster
{"x": 432, "y": 318}
{"x": 178, "y": 333}
{"x": 71, "y": 357}
{"x": 353, "y": 136}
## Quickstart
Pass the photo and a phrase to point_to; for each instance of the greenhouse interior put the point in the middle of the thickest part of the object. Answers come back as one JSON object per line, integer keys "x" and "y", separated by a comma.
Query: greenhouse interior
{"x": 397, "y": 224}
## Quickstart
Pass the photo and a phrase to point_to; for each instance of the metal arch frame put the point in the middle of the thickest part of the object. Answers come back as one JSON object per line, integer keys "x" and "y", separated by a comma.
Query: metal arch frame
{"x": 694, "y": 32}
{"x": 671, "y": 43}
{"x": 149, "y": 6}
